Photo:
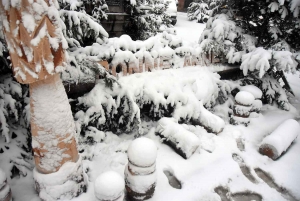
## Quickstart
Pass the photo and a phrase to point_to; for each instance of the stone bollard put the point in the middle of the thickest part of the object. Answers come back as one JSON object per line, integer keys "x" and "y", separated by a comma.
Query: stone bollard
{"x": 109, "y": 186}
{"x": 277, "y": 143}
{"x": 5, "y": 192}
{"x": 242, "y": 108}
{"x": 140, "y": 172}
{"x": 257, "y": 93}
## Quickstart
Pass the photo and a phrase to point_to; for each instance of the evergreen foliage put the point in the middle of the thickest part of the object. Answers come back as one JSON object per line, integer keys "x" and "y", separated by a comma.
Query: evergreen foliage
{"x": 260, "y": 35}
{"x": 147, "y": 18}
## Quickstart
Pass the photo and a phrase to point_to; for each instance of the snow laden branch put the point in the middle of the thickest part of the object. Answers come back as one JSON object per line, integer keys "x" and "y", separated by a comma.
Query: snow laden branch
{"x": 262, "y": 60}
{"x": 80, "y": 26}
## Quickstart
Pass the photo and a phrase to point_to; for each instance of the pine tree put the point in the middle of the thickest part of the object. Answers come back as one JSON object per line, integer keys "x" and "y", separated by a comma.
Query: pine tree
{"x": 147, "y": 18}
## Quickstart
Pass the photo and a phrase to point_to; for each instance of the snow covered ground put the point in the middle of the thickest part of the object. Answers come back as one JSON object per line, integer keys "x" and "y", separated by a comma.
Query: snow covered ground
{"x": 228, "y": 163}
{"x": 189, "y": 31}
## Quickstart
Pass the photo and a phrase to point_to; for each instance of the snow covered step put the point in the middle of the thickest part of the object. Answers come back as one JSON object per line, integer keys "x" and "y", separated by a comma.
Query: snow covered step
{"x": 109, "y": 186}
{"x": 182, "y": 141}
{"x": 5, "y": 192}
{"x": 140, "y": 172}
{"x": 277, "y": 143}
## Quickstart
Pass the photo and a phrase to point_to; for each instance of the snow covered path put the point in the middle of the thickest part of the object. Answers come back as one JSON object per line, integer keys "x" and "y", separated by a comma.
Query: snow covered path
{"x": 189, "y": 31}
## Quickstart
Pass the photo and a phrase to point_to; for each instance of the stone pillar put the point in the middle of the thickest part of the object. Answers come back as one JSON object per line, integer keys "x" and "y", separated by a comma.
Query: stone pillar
{"x": 242, "y": 108}
{"x": 5, "y": 192}
{"x": 140, "y": 172}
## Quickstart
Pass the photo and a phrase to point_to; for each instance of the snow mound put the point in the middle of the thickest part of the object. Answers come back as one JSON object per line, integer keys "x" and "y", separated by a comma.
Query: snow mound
{"x": 142, "y": 152}
{"x": 255, "y": 91}
{"x": 282, "y": 137}
{"x": 2, "y": 178}
{"x": 185, "y": 140}
{"x": 109, "y": 186}
{"x": 244, "y": 98}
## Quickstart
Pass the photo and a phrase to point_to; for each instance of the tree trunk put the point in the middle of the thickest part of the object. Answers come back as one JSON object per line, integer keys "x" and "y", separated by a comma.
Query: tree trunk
{"x": 53, "y": 142}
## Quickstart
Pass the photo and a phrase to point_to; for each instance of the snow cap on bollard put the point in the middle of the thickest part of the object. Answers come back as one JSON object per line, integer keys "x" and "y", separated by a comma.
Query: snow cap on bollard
{"x": 142, "y": 152}
{"x": 244, "y": 98}
{"x": 109, "y": 186}
{"x": 254, "y": 90}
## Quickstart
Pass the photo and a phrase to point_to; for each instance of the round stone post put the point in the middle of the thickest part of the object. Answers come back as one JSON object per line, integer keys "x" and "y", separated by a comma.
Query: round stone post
{"x": 242, "y": 108}
{"x": 37, "y": 52}
{"x": 5, "y": 192}
{"x": 109, "y": 186}
{"x": 140, "y": 172}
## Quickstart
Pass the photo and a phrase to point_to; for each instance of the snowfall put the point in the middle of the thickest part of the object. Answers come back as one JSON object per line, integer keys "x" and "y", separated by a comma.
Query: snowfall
{"x": 225, "y": 166}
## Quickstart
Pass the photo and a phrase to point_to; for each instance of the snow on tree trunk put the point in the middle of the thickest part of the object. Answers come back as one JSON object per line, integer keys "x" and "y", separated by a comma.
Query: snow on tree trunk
{"x": 140, "y": 172}
{"x": 5, "y": 192}
{"x": 37, "y": 51}
{"x": 277, "y": 143}
{"x": 52, "y": 125}
{"x": 53, "y": 142}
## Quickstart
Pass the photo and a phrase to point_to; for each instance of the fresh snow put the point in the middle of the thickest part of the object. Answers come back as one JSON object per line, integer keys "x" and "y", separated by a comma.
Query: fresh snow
{"x": 282, "y": 137}
{"x": 212, "y": 164}
{"x": 244, "y": 98}
{"x": 109, "y": 186}
{"x": 255, "y": 91}
{"x": 142, "y": 152}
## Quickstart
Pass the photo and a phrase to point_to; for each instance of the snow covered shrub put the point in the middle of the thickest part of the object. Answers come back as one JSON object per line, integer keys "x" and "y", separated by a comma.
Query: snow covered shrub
{"x": 147, "y": 18}
{"x": 272, "y": 90}
{"x": 272, "y": 25}
{"x": 198, "y": 11}
{"x": 15, "y": 145}
{"x": 225, "y": 39}
{"x": 106, "y": 109}
{"x": 261, "y": 35}
{"x": 95, "y": 8}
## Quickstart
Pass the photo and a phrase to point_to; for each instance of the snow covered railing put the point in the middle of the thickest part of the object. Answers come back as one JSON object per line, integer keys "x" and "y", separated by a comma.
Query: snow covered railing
{"x": 163, "y": 51}
{"x": 146, "y": 65}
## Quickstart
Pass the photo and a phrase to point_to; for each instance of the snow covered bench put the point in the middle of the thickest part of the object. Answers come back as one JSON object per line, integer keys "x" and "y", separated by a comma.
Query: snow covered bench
{"x": 277, "y": 143}
{"x": 182, "y": 141}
